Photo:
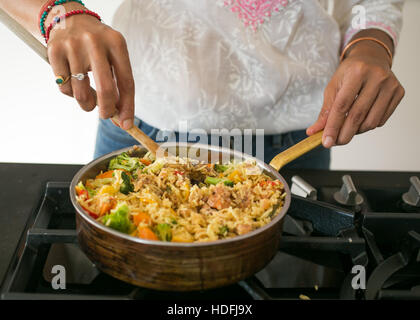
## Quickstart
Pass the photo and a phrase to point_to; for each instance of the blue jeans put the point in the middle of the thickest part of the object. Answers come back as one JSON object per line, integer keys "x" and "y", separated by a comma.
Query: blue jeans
{"x": 110, "y": 138}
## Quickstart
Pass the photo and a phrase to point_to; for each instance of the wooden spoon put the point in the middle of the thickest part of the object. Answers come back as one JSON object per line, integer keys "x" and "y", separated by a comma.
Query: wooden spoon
{"x": 140, "y": 136}
{"x": 296, "y": 151}
{"x": 41, "y": 50}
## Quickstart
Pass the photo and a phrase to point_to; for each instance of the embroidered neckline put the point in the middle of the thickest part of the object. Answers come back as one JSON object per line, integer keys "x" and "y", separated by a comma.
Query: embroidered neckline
{"x": 254, "y": 13}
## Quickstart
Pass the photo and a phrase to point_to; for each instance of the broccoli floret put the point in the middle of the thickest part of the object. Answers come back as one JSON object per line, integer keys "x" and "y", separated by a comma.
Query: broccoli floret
{"x": 126, "y": 186}
{"x": 228, "y": 183}
{"x": 119, "y": 219}
{"x": 155, "y": 167}
{"x": 164, "y": 232}
{"x": 223, "y": 231}
{"x": 125, "y": 162}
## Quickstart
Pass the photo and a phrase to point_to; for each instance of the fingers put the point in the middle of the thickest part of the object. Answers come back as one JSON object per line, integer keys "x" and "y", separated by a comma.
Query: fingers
{"x": 59, "y": 64}
{"x": 103, "y": 51}
{"x": 357, "y": 113}
{"x": 329, "y": 96}
{"x": 122, "y": 69}
{"x": 107, "y": 94}
{"x": 81, "y": 88}
{"x": 340, "y": 108}
{"x": 380, "y": 107}
{"x": 396, "y": 100}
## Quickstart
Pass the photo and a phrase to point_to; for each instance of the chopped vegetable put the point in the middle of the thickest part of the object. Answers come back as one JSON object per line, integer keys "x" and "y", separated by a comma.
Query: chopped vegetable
{"x": 224, "y": 230}
{"x": 146, "y": 162}
{"x": 146, "y": 233}
{"x": 91, "y": 192}
{"x": 215, "y": 181}
{"x": 220, "y": 167}
{"x": 141, "y": 217}
{"x": 126, "y": 186}
{"x": 155, "y": 167}
{"x": 125, "y": 162}
{"x": 119, "y": 219}
{"x": 80, "y": 189}
{"x": 97, "y": 183}
{"x": 275, "y": 207}
{"x": 235, "y": 176}
{"x": 107, "y": 174}
{"x": 164, "y": 232}
{"x": 106, "y": 206}
{"x": 150, "y": 156}
{"x": 107, "y": 189}
{"x": 228, "y": 183}
{"x": 91, "y": 213}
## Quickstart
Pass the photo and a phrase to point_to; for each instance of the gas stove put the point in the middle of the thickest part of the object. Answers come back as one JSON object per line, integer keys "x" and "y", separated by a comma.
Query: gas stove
{"x": 347, "y": 235}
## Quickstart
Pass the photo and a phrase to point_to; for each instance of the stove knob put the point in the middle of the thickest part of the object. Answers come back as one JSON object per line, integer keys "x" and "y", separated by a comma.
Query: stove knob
{"x": 348, "y": 194}
{"x": 301, "y": 188}
{"x": 412, "y": 197}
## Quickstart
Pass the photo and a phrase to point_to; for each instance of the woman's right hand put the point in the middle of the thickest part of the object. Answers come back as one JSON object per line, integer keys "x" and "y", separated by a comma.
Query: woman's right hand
{"x": 85, "y": 44}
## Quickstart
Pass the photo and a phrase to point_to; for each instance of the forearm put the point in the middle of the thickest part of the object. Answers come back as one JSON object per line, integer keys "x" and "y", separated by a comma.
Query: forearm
{"x": 26, "y": 12}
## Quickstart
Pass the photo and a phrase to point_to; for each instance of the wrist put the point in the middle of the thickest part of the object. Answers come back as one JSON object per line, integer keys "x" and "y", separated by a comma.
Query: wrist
{"x": 369, "y": 48}
{"x": 61, "y": 10}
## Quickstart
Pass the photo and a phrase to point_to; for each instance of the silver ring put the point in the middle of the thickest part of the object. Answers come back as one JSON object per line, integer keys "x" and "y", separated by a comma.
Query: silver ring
{"x": 79, "y": 76}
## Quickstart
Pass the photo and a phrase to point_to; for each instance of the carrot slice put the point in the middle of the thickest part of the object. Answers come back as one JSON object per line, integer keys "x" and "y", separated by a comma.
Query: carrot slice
{"x": 106, "y": 206}
{"x": 141, "y": 217}
{"x": 104, "y": 175}
{"x": 145, "y": 161}
{"x": 146, "y": 233}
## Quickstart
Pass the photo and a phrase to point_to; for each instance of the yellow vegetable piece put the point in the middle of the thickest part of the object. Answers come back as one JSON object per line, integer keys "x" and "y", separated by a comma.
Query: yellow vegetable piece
{"x": 235, "y": 176}
{"x": 107, "y": 189}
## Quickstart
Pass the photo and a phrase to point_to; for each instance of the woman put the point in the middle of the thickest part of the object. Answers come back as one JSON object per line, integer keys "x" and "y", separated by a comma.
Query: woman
{"x": 212, "y": 64}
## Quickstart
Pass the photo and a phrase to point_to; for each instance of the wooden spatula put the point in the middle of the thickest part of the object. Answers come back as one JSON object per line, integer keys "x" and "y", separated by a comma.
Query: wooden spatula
{"x": 296, "y": 151}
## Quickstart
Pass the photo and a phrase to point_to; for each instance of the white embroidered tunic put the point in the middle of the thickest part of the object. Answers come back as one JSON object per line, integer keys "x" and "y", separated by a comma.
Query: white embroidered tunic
{"x": 247, "y": 64}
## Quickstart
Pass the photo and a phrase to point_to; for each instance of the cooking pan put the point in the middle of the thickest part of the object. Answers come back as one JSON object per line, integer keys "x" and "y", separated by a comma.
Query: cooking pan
{"x": 174, "y": 266}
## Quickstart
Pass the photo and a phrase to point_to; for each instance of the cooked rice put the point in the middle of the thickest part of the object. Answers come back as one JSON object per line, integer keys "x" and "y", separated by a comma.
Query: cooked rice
{"x": 174, "y": 193}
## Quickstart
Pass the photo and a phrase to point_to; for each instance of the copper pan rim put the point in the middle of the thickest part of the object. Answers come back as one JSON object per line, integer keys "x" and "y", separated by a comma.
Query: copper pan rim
{"x": 96, "y": 224}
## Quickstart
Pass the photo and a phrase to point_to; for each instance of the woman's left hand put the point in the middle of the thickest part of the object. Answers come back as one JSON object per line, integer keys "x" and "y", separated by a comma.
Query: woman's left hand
{"x": 361, "y": 96}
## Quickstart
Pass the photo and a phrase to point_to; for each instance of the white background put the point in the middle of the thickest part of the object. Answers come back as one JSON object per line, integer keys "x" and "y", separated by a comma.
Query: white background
{"x": 39, "y": 124}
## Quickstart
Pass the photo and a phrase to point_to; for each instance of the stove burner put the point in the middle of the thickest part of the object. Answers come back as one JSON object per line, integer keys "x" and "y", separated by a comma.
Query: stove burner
{"x": 348, "y": 194}
{"x": 412, "y": 197}
{"x": 301, "y": 188}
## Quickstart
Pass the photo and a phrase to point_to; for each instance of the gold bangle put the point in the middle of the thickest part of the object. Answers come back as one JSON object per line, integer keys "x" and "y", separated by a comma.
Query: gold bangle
{"x": 363, "y": 39}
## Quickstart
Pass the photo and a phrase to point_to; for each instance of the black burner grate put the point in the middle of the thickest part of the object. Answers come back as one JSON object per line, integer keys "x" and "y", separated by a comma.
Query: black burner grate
{"x": 50, "y": 238}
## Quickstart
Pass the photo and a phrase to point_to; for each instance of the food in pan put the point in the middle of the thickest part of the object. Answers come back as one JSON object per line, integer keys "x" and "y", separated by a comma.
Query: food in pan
{"x": 181, "y": 200}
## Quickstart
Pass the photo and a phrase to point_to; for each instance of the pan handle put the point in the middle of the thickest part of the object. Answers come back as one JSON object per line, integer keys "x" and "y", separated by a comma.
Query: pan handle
{"x": 297, "y": 150}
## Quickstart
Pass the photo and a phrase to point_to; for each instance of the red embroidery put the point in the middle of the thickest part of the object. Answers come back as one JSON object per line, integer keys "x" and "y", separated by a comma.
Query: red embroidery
{"x": 255, "y": 12}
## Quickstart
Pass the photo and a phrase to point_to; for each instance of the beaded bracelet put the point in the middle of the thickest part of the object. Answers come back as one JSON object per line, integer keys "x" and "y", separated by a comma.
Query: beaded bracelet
{"x": 45, "y": 10}
{"x": 63, "y": 17}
